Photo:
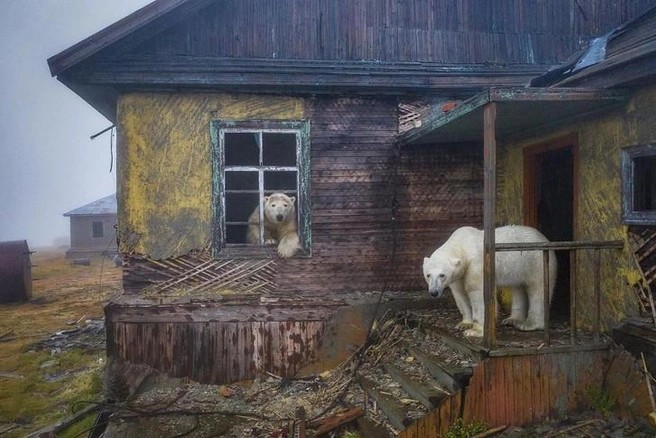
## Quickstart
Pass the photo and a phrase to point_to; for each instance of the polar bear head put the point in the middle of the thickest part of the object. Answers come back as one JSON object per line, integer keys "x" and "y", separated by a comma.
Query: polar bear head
{"x": 440, "y": 271}
{"x": 279, "y": 208}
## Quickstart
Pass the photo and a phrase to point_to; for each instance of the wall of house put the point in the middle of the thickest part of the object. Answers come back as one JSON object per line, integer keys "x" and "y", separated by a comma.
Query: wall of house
{"x": 82, "y": 241}
{"x": 598, "y": 211}
{"x": 376, "y": 211}
{"x": 164, "y": 165}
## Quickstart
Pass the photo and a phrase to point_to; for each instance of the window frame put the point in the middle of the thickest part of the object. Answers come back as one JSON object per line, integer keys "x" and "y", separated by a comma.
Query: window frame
{"x": 218, "y": 129}
{"x": 631, "y": 216}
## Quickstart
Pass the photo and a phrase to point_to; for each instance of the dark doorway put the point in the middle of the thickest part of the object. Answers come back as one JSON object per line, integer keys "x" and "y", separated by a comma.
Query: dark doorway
{"x": 549, "y": 206}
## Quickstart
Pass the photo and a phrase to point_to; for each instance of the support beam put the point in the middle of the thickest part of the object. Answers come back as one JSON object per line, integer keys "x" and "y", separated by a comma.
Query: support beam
{"x": 489, "y": 213}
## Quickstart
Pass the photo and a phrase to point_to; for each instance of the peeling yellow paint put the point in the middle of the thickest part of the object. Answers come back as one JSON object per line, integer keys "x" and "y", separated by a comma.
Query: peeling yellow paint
{"x": 599, "y": 199}
{"x": 164, "y": 164}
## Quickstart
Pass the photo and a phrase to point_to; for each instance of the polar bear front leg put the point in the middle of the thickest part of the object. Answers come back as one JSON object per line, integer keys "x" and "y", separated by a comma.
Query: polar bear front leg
{"x": 478, "y": 313}
{"x": 519, "y": 308}
{"x": 288, "y": 245}
{"x": 464, "y": 306}
{"x": 535, "y": 317}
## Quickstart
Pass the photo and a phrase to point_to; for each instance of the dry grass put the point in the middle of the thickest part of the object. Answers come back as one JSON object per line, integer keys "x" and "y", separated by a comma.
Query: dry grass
{"x": 63, "y": 293}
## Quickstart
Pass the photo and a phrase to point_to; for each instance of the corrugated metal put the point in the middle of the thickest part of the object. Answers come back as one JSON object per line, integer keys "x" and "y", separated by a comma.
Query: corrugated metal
{"x": 528, "y": 389}
{"x": 15, "y": 271}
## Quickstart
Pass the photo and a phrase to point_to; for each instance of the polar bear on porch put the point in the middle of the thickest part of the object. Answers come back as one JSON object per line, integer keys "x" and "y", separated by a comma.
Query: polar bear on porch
{"x": 458, "y": 264}
{"x": 280, "y": 224}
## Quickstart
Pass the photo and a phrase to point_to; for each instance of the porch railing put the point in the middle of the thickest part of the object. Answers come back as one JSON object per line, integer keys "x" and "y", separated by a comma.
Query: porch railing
{"x": 573, "y": 248}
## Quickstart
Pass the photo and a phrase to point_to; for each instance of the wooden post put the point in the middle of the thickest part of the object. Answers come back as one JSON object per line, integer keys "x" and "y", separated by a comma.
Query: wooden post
{"x": 572, "y": 295}
{"x": 489, "y": 204}
{"x": 597, "y": 293}
{"x": 545, "y": 291}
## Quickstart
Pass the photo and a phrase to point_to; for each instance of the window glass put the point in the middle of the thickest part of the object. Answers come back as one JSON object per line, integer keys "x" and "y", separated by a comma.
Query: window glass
{"x": 98, "y": 230}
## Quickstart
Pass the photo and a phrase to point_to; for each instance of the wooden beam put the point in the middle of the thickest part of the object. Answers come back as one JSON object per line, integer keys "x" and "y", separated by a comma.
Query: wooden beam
{"x": 489, "y": 213}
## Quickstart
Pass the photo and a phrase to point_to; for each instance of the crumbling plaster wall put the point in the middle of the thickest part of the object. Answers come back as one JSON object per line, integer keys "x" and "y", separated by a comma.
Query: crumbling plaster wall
{"x": 598, "y": 207}
{"x": 164, "y": 165}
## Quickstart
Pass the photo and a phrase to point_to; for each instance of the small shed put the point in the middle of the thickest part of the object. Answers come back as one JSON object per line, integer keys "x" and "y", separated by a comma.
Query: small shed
{"x": 93, "y": 228}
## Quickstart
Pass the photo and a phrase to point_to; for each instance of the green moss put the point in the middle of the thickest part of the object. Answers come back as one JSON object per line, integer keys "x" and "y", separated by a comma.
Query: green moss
{"x": 600, "y": 401}
{"x": 462, "y": 429}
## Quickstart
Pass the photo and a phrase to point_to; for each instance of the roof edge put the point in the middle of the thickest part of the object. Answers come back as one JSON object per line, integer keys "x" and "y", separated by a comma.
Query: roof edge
{"x": 115, "y": 32}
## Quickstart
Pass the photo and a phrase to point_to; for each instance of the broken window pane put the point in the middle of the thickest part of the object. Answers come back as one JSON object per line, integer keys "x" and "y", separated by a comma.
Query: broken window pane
{"x": 241, "y": 149}
{"x": 240, "y": 180}
{"x": 279, "y": 149}
{"x": 280, "y": 181}
{"x": 644, "y": 195}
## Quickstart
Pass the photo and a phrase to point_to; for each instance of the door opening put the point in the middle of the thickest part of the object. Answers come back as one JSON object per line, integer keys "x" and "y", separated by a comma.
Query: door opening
{"x": 549, "y": 178}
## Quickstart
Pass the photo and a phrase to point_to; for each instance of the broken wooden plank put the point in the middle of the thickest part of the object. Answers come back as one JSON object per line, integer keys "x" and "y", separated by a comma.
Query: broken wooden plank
{"x": 326, "y": 424}
{"x": 390, "y": 407}
{"x": 471, "y": 351}
{"x": 424, "y": 394}
{"x": 452, "y": 378}
{"x": 368, "y": 428}
{"x": 8, "y": 336}
{"x": 66, "y": 422}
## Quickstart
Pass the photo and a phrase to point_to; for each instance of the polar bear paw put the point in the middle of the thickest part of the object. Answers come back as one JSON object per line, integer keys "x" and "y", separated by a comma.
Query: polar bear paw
{"x": 528, "y": 325}
{"x": 511, "y": 321}
{"x": 288, "y": 246}
{"x": 475, "y": 332}
{"x": 270, "y": 241}
{"x": 464, "y": 324}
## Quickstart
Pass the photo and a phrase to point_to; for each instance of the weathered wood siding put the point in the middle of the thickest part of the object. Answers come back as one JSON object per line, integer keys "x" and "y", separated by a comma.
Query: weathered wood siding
{"x": 446, "y": 31}
{"x": 531, "y": 388}
{"x": 599, "y": 209}
{"x": 217, "y": 343}
{"x": 357, "y": 183}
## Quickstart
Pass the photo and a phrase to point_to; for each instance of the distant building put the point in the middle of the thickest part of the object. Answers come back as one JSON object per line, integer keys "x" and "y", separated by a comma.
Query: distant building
{"x": 93, "y": 229}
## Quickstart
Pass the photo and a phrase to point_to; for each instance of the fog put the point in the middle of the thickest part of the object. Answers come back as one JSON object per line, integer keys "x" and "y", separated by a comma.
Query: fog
{"x": 48, "y": 163}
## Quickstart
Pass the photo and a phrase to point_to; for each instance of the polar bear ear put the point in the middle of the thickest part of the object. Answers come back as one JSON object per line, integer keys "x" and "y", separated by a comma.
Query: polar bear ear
{"x": 426, "y": 259}
{"x": 293, "y": 199}
{"x": 456, "y": 262}
{"x": 266, "y": 199}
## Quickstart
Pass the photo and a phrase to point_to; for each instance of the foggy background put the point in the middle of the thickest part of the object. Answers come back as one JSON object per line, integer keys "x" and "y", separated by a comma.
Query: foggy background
{"x": 48, "y": 164}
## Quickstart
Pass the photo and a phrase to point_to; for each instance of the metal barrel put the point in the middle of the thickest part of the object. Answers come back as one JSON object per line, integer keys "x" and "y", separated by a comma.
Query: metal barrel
{"x": 15, "y": 271}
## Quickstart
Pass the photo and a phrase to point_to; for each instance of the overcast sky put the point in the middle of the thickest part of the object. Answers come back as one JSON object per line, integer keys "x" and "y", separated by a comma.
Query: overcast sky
{"x": 48, "y": 164}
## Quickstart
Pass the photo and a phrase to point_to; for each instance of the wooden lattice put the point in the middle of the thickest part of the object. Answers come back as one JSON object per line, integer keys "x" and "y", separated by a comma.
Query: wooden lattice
{"x": 411, "y": 114}
{"x": 200, "y": 273}
{"x": 643, "y": 245}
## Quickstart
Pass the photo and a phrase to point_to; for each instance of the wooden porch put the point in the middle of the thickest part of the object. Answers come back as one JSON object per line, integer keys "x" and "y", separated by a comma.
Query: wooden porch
{"x": 415, "y": 376}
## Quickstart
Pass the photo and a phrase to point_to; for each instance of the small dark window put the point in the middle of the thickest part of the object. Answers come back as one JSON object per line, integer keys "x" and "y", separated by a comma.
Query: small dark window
{"x": 639, "y": 185}
{"x": 97, "y": 229}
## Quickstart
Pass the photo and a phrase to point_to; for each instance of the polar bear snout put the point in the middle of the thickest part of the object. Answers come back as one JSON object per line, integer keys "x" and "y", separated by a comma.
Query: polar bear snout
{"x": 437, "y": 292}
{"x": 280, "y": 217}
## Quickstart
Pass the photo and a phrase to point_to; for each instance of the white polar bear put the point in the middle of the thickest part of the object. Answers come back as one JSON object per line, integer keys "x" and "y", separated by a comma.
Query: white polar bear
{"x": 458, "y": 264}
{"x": 280, "y": 224}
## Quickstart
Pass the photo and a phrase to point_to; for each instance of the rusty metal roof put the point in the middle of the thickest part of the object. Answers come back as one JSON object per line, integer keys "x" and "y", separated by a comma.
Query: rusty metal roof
{"x": 519, "y": 111}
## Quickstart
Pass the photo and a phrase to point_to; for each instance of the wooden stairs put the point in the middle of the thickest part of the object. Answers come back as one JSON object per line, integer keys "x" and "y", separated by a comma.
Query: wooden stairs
{"x": 417, "y": 385}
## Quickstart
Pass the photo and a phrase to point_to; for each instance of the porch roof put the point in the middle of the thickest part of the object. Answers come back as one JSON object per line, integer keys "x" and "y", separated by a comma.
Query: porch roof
{"x": 520, "y": 111}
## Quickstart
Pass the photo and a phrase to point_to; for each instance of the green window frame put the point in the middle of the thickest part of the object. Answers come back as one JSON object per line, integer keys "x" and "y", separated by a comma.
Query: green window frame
{"x": 252, "y": 159}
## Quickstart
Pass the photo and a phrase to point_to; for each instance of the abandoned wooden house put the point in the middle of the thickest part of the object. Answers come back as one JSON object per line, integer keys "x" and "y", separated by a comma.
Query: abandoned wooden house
{"x": 93, "y": 228}
{"x": 391, "y": 123}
